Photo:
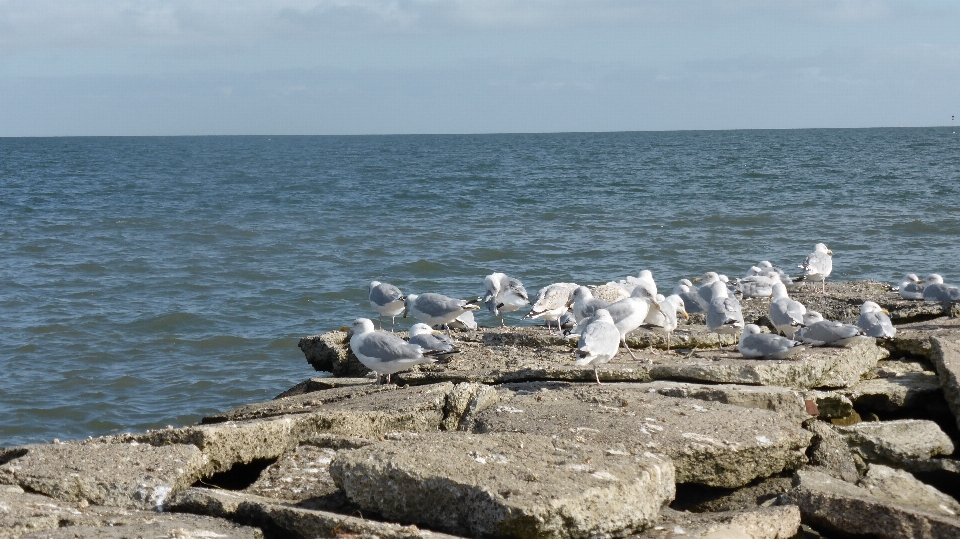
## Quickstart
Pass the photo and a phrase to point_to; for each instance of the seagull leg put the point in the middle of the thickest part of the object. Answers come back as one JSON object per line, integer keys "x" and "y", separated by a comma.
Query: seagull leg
{"x": 719, "y": 343}
{"x": 388, "y": 379}
{"x": 393, "y": 325}
{"x": 381, "y": 321}
{"x": 635, "y": 358}
{"x": 596, "y": 374}
{"x": 668, "y": 342}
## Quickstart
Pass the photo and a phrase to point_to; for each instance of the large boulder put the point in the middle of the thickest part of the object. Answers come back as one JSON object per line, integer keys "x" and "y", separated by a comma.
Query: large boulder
{"x": 25, "y": 515}
{"x": 833, "y": 504}
{"x": 507, "y": 485}
{"x": 781, "y": 522}
{"x": 946, "y": 358}
{"x": 894, "y": 442}
{"x": 130, "y": 475}
{"x": 710, "y": 443}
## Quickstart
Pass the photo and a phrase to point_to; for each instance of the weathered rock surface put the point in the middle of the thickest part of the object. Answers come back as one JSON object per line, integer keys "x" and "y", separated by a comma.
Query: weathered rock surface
{"x": 829, "y": 451}
{"x": 329, "y": 352}
{"x": 757, "y": 494}
{"x": 891, "y": 394}
{"x": 285, "y": 520}
{"x": 819, "y": 367}
{"x": 298, "y": 403}
{"x": 762, "y": 523}
{"x": 34, "y": 516}
{"x": 903, "y": 487}
{"x": 897, "y": 441}
{"x": 946, "y": 358}
{"x": 787, "y": 402}
{"x": 832, "y": 504}
{"x": 710, "y": 443}
{"x": 913, "y": 339}
{"x": 507, "y": 485}
{"x": 121, "y": 475}
{"x": 320, "y": 384}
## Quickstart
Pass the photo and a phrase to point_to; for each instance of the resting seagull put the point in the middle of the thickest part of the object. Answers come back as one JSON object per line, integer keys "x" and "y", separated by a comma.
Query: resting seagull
{"x": 387, "y": 300}
{"x": 384, "y": 353}
{"x": 504, "y": 294}
{"x": 818, "y": 265}
{"x": 599, "y": 342}
{"x": 827, "y": 333}
{"x": 427, "y": 338}
{"x": 436, "y": 309}
{"x": 911, "y": 287}
{"x": 724, "y": 314}
{"x": 875, "y": 321}
{"x": 692, "y": 302}
{"x": 756, "y": 345}
{"x": 935, "y": 290}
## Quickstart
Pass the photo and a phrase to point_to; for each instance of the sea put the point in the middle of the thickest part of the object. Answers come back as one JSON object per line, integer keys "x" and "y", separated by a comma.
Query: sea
{"x": 148, "y": 282}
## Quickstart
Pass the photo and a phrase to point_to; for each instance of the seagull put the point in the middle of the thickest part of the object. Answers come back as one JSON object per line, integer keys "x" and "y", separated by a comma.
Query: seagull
{"x": 911, "y": 287}
{"x": 692, "y": 302}
{"x": 627, "y": 315}
{"x": 664, "y": 318}
{"x": 724, "y": 314}
{"x": 599, "y": 342}
{"x": 428, "y": 339}
{"x": 504, "y": 294}
{"x": 875, "y": 322}
{"x": 935, "y": 290}
{"x": 812, "y": 317}
{"x": 583, "y": 304}
{"x": 436, "y": 309}
{"x": 706, "y": 288}
{"x": 387, "y": 300}
{"x": 611, "y": 292}
{"x": 785, "y": 314}
{"x": 818, "y": 265}
{"x": 766, "y": 268}
{"x": 827, "y": 333}
{"x": 758, "y": 285}
{"x": 551, "y": 303}
{"x": 756, "y": 345}
{"x": 644, "y": 280}
{"x": 464, "y": 321}
{"x": 384, "y": 353}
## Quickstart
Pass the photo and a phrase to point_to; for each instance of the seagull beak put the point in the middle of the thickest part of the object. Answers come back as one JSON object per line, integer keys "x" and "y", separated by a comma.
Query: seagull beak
{"x": 829, "y": 252}
{"x": 404, "y": 313}
{"x": 344, "y": 328}
{"x": 685, "y": 315}
{"x": 697, "y": 279}
{"x": 886, "y": 312}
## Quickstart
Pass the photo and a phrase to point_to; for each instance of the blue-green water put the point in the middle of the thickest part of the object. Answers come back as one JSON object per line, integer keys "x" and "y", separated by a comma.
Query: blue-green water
{"x": 150, "y": 281}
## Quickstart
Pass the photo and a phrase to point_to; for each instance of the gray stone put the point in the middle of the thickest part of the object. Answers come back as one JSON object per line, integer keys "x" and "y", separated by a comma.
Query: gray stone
{"x": 892, "y": 442}
{"x": 831, "y": 404}
{"x": 913, "y": 340}
{"x": 551, "y": 360}
{"x": 291, "y": 521}
{"x": 710, "y": 443}
{"x": 762, "y": 523}
{"x": 368, "y": 415}
{"x": 829, "y": 451}
{"x": 299, "y": 403}
{"x": 946, "y": 358}
{"x": 320, "y": 384}
{"x": 330, "y": 352}
{"x": 832, "y": 504}
{"x": 759, "y": 493}
{"x": 507, "y": 485}
{"x": 787, "y": 402}
{"x": 901, "y": 486}
{"x": 123, "y": 475}
{"x": 905, "y": 392}
{"x": 34, "y": 516}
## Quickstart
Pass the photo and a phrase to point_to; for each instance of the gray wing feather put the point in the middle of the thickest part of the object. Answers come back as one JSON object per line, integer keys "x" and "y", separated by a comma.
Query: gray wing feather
{"x": 388, "y": 348}
{"x": 517, "y": 288}
{"x": 438, "y": 305}
{"x": 384, "y": 294}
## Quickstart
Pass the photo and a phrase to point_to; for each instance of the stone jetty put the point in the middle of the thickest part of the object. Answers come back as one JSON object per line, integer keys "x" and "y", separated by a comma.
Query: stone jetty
{"x": 510, "y": 439}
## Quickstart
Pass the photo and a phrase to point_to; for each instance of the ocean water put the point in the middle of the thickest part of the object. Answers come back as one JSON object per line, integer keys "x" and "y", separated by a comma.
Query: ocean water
{"x": 149, "y": 281}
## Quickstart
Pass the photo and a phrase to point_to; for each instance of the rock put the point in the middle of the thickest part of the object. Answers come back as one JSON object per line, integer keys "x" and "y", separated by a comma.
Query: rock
{"x": 289, "y": 521}
{"x": 830, "y": 503}
{"x": 710, "y": 443}
{"x": 893, "y": 442}
{"x": 902, "y": 487}
{"x": 507, "y": 485}
{"x": 367, "y": 415}
{"x": 758, "y": 493}
{"x": 34, "y": 516}
{"x": 298, "y": 403}
{"x": 905, "y": 392}
{"x": 831, "y": 404}
{"x": 913, "y": 340}
{"x": 789, "y": 403}
{"x": 319, "y": 384}
{"x": 946, "y": 358}
{"x": 330, "y": 352}
{"x": 829, "y": 451}
{"x": 466, "y": 399}
{"x": 763, "y": 523}
{"x": 551, "y": 360}
{"x": 135, "y": 476}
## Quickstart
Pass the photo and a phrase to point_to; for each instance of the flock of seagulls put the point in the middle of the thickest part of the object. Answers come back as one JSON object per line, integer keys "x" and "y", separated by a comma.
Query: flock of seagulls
{"x": 601, "y": 317}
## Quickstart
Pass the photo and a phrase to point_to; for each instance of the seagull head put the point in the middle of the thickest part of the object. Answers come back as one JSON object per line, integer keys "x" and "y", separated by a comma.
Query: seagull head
{"x": 407, "y": 302}
{"x": 934, "y": 278}
{"x": 361, "y": 326}
{"x": 420, "y": 329}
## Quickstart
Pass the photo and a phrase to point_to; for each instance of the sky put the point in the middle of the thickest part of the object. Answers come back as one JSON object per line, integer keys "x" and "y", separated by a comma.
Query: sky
{"x": 317, "y": 67}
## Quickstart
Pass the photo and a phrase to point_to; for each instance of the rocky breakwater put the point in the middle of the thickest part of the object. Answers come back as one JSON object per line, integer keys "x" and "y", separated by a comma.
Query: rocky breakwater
{"x": 511, "y": 439}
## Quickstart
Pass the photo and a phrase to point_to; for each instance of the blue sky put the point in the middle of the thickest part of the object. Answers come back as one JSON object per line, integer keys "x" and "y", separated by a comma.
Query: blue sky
{"x": 195, "y": 67}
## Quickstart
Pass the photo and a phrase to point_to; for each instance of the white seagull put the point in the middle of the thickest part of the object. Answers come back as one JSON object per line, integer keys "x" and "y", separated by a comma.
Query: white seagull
{"x": 818, "y": 265}
{"x": 384, "y": 353}
{"x": 504, "y": 294}
{"x": 387, "y": 300}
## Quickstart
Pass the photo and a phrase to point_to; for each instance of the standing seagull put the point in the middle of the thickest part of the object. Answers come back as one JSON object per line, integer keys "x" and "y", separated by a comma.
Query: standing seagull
{"x": 599, "y": 342}
{"x": 664, "y": 320}
{"x": 384, "y": 353}
{"x": 818, "y": 265}
{"x": 504, "y": 294}
{"x": 692, "y": 302}
{"x": 875, "y": 322}
{"x": 583, "y": 304}
{"x": 785, "y": 314}
{"x": 551, "y": 303}
{"x": 436, "y": 309}
{"x": 724, "y": 314}
{"x": 387, "y": 300}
